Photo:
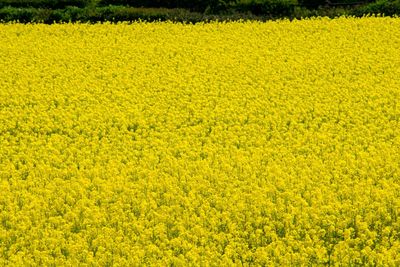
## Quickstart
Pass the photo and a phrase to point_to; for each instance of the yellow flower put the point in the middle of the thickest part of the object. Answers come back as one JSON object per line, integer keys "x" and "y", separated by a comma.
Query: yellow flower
{"x": 234, "y": 143}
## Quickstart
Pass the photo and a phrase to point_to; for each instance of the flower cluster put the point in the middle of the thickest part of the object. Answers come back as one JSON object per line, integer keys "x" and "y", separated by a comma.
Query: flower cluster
{"x": 209, "y": 144}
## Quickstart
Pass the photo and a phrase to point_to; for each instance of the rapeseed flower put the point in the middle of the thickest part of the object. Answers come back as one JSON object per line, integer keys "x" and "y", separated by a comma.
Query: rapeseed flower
{"x": 236, "y": 143}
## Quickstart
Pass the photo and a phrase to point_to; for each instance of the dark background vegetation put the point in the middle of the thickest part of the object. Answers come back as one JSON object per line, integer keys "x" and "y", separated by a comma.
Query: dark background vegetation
{"x": 50, "y": 11}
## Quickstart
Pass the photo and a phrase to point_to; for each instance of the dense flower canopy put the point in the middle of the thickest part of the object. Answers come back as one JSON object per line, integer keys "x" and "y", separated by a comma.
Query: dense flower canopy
{"x": 210, "y": 144}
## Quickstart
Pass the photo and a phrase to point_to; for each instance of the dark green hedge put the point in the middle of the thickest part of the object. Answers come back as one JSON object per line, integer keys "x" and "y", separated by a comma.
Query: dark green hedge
{"x": 98, "y": 14}
{"x": 193, "y": 5}
{"x": 275, "y": 10}
{"x": 268, "y": 7}
{"x": 388, "y": 8}
{"x": 51, "y": 4}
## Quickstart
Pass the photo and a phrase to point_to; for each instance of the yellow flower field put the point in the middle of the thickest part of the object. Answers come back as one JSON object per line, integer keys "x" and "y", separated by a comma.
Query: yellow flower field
{"x": 214, "y": 144}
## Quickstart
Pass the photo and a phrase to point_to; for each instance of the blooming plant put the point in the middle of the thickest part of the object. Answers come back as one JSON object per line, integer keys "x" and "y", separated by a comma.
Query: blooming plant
{"x": 209, "y": 144}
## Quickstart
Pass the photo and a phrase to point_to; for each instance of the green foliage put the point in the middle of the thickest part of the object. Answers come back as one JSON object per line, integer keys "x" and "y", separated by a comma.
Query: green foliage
{"x": 388, "y": 8}
{"x": 193, "y": 5}
{"x": 49, "y": 11}
{"x": 119, "y": 13}
{"x": 312, "y": 4}
{"x": 53, "y": 4}
{"x": 267, "y": 7}
{"x": 18, "y": 14}
{"x": 331, "y": 4}
{"x": 111, "y": 13}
